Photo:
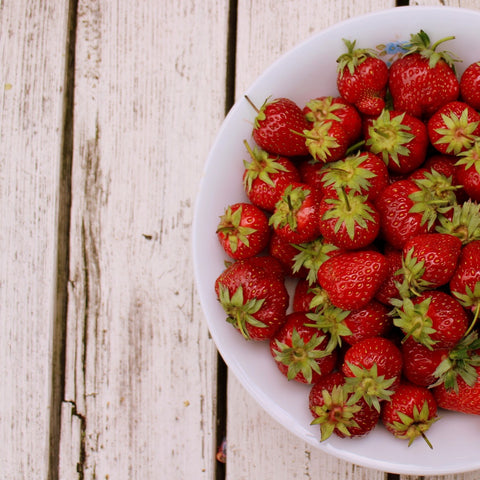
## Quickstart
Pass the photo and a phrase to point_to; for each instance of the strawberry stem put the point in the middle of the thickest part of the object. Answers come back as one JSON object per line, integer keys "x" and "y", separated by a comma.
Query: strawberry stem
{"x": 474, "y": 321}
{"x": 252, "y": 104}
{"x": 438, "y": 42}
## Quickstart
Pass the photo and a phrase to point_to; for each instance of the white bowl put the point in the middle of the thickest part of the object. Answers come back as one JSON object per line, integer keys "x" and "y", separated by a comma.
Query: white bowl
{"x": 303, "y": 73}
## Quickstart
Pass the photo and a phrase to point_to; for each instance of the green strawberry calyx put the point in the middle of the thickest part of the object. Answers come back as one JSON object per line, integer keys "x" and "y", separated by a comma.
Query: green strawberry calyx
{"x": 230, "y": 226}
{"x": 367, "y": 384}
{"x": 353, "y": 57}
{"x": 331, "y": 321}
{"x": 470, "y": 158}
{"x": 458, "y": 133}
{"x": 288, "y": 206}
{"x": 261, "y": 166}
{"x": 411, "y": 272}
{"x": 350, "y": 210}
{"x": 420, "y": 43}
{"x": 388, "y": 137}
{"x": 300, "y": 357}
{"x": 461, "y": 361}
{"x": 410, "y": 428}
{"x": 311, "y": 255}
{"x": 413, "y": 320}
{"x": 240, "y": 312}
{"x": 322, "y": 109}
{"x": 348, "y": 173}
{"x": 319, "y": 142}
{"x": 464, "y": 222}
{"x": 335, "y": 413}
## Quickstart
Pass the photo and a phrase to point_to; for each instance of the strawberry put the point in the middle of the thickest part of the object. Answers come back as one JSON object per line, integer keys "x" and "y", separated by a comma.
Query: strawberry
{"x": 421, "y": 362}
{"x": 326, "y": 141}
{"x": 295, "y": 217}
{"x": 373, "y": 368}
{"x": 349, "y": 221}
{"x": 362, "y": 79}
{"x": 434, "y": 319}
{"x": 275, "y": 125}
{"x": 429, "y": 261}
{"x": 364, "y": 173}
{"x": 463, "y": 222}
{"x": 254, "y": 299}
{"x": 388, "y": 291}
{"x": 453, "y": 128}
{"x": 465, "y": 281}
{"x": 311, "y": 255}
{"x": 285, "y": 253}
{"x": 408, "y": 208}
{"x": 352, "y": 279}
{"x": 400, "y": 139}
{"x": 243, "y": 230}
{"x": 466, "y": 399}
{"x": 307, "y": 297}
{"x": 423, "y": 80}
{"x": 470, "y": 85}
{"x": 372, "y": 320}
{"x": 468, "y": 171}
{"x": 266, "y": 176}
{"x": 411, "y": 411}
{"x": 323, "y": 109}
{"x": 330, "y": 406}
{"x": 300, "y": 351}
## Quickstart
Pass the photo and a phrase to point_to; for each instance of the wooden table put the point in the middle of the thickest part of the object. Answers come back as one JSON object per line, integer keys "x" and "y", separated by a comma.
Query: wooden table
{"x": 109, "y": 109}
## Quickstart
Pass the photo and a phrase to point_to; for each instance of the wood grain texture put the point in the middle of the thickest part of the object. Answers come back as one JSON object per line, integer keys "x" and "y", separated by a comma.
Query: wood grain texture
{"x": 277, "y": 453}
{"x": 32, "y": 71}
{"x": 141, "y": 368}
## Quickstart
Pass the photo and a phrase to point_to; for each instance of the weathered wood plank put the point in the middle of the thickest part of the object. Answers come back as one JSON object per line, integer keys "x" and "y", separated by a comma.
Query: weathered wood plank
{"x": 33, "y": 40}
{"x": 141, "y": 369}
{"x": 257, "y": 447}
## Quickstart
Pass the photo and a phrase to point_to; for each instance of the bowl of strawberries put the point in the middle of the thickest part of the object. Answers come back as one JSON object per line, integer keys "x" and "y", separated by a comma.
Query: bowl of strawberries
{"x": 336, "y": 240}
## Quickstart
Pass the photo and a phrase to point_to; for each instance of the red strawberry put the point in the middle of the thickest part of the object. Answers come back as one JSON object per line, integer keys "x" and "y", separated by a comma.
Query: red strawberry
{"x": 373, "y": 320}
{"x": 323, "y": 109}
{"x": 423, "y": 80}
{"x": 388, "y": 291}
{"x": 300, "y": 351}
{"x": 352, "y": 279}
{"x": 363, "y": 172}
{"x": 468, "y": 171}
{"x": 400, "y": 139}
{"x": 285, "y": 253}
{"x": 329, "y": 403}
{"x": 275, "y": 124}
{"x": 362, "y": 79}
{"x": 421, "y": 362}
{"x": 349, "y": 221}
{"x": 429, "y": 260}
{"x": 326, "y": 141}
{"x": 311, "y": 255}
{"x": 465, "y": 282}
{"x": 408, "y": 208}
{"x": 243, "y": 230}
{"x": 373, "y": 367}
{"x": 453, "y": 128}
{"x": 266, "y": 176}
{"x": 434, "y": 319}
{"x": 411, "y": 411}
{"x": 254, "y": 299}
{"x": 308, "y": 298}
{"x": 442, "y": 365}
{"x": 466, "y": 399}
{"x": 470, "y": 85}
{"x": 295, "y": 217}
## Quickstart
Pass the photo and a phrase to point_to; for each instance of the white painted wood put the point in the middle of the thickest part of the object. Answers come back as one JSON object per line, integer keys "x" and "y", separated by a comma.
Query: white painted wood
{"x": 32, "y": 73}
{"x": 140, "y": 390}
{"x": 257, "y": 447}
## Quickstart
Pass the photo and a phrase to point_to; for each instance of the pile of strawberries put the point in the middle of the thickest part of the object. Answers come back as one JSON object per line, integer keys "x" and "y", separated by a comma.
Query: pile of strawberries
{"x": 369, "y": 201}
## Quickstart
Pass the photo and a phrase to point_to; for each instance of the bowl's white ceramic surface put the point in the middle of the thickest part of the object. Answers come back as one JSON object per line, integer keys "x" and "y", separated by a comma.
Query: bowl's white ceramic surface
{"x": 305, "y": 72}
